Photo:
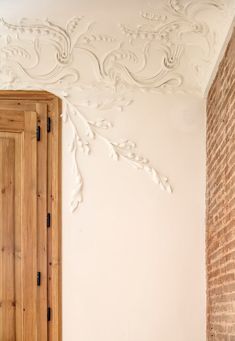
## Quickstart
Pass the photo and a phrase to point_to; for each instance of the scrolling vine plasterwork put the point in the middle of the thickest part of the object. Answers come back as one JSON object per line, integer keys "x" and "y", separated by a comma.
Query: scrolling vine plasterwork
{"x": 123, "y": 66}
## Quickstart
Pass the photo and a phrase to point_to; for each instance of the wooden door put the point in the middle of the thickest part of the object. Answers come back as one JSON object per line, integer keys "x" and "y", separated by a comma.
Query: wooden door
{"x": 29, "y": 202}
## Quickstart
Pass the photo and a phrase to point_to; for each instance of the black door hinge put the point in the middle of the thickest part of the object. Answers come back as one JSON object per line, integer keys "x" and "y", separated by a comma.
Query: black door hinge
{"x": 48, "y": 314}
{"x": 48, "y": 124}
{"x": 38, "y": 279}
{"x": 48, "y": 220}
{"x": 38, "y": 133}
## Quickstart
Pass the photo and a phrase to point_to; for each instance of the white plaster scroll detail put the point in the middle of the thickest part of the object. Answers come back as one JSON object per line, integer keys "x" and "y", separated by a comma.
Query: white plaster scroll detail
{"x": 123, "y": 65}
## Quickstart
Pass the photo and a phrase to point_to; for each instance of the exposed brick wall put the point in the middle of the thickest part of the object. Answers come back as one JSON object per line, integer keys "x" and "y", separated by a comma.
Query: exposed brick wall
{"x": 220, "y": 201}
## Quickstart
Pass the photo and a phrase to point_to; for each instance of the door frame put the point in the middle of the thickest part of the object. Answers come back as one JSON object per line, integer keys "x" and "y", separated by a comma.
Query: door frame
{"x": 54, "y": 234}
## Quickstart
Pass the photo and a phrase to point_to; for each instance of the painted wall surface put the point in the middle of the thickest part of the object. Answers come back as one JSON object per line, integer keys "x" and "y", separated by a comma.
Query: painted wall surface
{"x": 133, "y": 255}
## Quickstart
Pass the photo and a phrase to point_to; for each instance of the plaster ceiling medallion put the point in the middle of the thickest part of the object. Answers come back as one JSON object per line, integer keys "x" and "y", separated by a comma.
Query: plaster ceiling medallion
{"x": 148, "y": 56}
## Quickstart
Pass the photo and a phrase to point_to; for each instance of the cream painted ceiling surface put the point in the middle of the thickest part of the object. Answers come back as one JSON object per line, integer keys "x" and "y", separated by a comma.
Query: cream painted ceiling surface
{"x": 101, "y": 54}
{"x": 165, "y": 44}
{"x": 181, "y": 38}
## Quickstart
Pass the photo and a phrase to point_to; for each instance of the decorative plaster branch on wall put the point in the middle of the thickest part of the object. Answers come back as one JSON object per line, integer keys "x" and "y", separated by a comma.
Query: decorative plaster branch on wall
{"x": 124, "y": 149}
{"x": 126, "y": 65}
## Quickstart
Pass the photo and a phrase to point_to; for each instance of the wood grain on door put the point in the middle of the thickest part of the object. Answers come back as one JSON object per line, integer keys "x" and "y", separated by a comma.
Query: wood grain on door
{"x": 30, "y": 264}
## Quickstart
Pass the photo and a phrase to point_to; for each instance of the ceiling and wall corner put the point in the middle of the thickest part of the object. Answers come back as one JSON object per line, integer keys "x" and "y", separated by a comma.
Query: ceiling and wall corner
{"x": 222, "y": 50}
{"x": 133, "y": 256}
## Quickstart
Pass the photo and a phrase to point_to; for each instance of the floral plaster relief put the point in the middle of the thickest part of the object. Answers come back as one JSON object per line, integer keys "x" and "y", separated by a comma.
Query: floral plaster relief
{"x": 151, "y": 55}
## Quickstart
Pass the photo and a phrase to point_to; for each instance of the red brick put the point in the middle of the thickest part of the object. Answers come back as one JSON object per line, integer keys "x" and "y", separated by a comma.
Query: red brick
{"x": 220, "y": 201}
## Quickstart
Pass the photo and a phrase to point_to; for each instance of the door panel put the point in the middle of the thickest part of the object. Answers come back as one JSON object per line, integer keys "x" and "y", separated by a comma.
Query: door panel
{"x": 29, "y": 227}
{"x": 10, "y": 235}
{"x": 7, "y": 244}
{"x": 29, "y": 192}
{"x": 18, "y": 228}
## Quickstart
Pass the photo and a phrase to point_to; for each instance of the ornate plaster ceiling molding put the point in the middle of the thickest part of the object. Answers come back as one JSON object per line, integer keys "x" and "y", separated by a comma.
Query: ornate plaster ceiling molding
{"x": 149, "y": 56}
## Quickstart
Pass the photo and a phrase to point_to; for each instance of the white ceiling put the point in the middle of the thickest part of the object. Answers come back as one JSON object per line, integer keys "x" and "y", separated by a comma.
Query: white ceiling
{"x": 200, "y": 51}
